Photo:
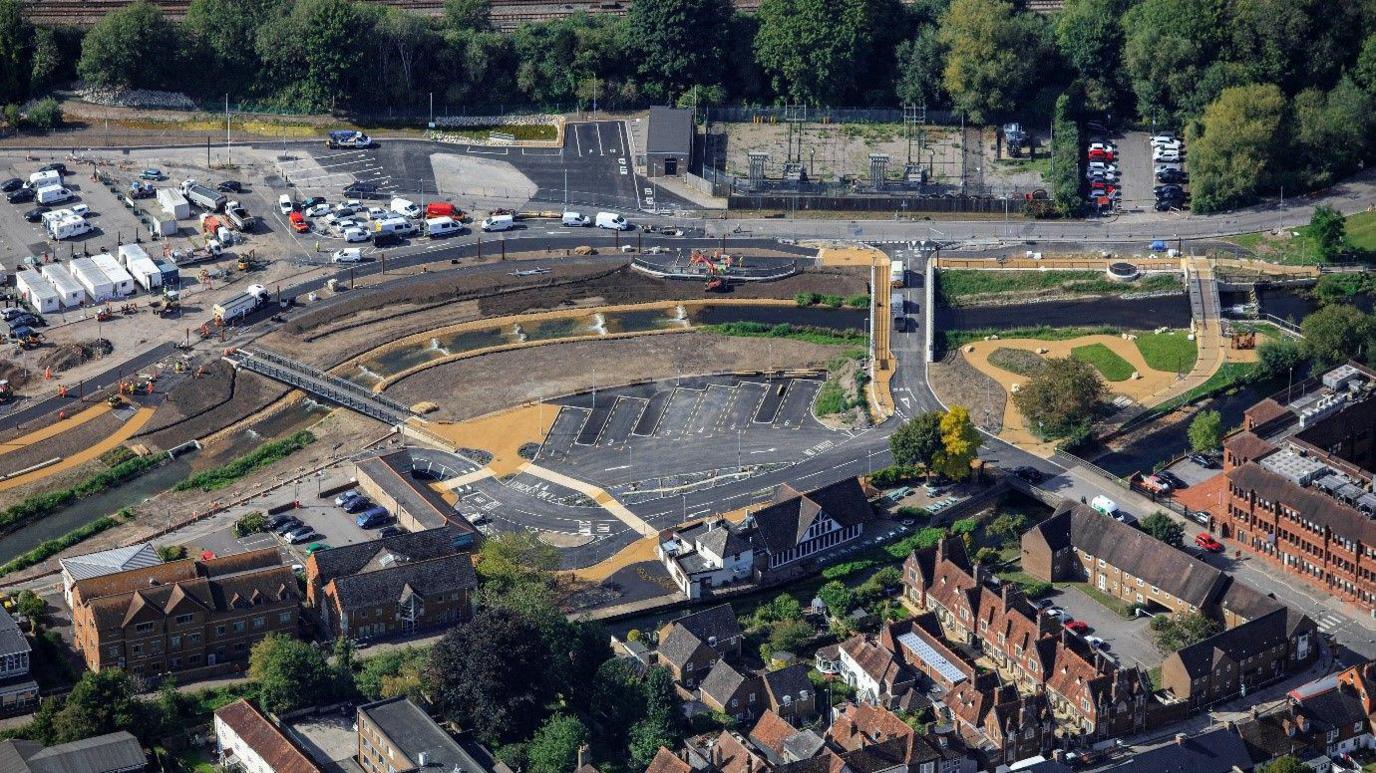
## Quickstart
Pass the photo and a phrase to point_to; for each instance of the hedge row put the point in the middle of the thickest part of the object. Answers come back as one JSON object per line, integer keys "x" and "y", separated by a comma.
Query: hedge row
{"x": 58, "y": 544}
{"x": 39, "y": 505}
{"x": 1064, "y": 176}
{"x": 262, "y": 456}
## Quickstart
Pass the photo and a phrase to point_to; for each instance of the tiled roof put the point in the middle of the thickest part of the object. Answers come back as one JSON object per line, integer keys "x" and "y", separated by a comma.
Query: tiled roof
{"x": 1134, "y": 552}
{"x": 403, "y": 548}
{"x": 878, "y": 663}
{"x": 781, "y": 525}
{"x": 12, "y": 640}
{"x": 826, "y": 762}
{"x": 722, "y": 682}
{"x": 1343, "y": 520}
{"x": 730, "y": 755}
{"x": 1265, "y": 411}
{"x": 1235, "y": 644}
{"x": 266, "y": 584}
{"x": 1248, "y": 446}
{"x": 109, "y": 561}
{"x": 175, "y": 571}
{"x": 790, "y": 682}
{"x": 427, "y": 579}
{"x": 718, "y": 623}
{"x": 860, "y": 724}
{"x": 666, "y": 761}
{"x": 1219, "y": 751}
{"x": 1247, "y": 602}
{"x": 265, "y": 739}
{"x": 678, "y": 646}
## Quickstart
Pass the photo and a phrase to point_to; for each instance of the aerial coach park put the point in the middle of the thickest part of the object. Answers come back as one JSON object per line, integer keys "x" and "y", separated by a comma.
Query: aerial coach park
{"x": 801, "y": 430}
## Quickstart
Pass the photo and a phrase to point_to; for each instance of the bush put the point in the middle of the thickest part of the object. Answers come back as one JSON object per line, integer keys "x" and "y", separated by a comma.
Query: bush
{"x": 116, "y": 455}
{"x": 45, "y": 114}
{"x": 834, "y": 301}
{"x": 56, "y": 545}
{"x": 810, "y": 333}
{"x": 861, "y": 301}
{"x": 806, "y": 299}
{"x": 264, "y": 455}
{"x": 894, "y": 475}
{"x": 253, "y": 523}
{"x": 39, "y": 505}
{"x": 1035, "y": 589}
{"x": 923, "y": 539}
{"x": 171, "y": 552}
{"x": 846, "y": 569}
{"x": 965, "y": 526}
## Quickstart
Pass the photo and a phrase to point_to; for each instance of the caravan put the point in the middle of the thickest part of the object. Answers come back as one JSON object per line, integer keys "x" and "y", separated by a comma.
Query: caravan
{"x": 68, "y": 227}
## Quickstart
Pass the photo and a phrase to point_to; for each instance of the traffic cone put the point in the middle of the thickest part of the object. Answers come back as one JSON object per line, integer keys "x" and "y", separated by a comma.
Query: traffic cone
{"x": 48, "y": 373}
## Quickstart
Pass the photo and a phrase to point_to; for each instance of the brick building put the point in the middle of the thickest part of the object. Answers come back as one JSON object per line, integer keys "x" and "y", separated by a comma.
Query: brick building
{"x": 1299, "y": 484}
{"x": 392, "y": 586}
{"x": 183, "y": 615}
{"x": 1000, "y": 723}
{"x": 692, "y": 644}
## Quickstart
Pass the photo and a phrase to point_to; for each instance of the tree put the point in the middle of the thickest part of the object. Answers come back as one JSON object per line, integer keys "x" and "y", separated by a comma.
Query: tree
{"x": 1008, "y": 527}
{"x": 837, "y": 597}
{"x": 45, "y": 114}
{"x": 223, "y": 31}
{"x": 316, "y": 47}
{"x": 661, "y": 725}
{"x": 921, "y": 67}
{"x": 1365, "y": 70}
{"x": 554, "y": 749}
{"x": 101, "y": 702}
{"x": 1336, "y": 334}
{"x": 393, "y": 672}
{"x": 1164, "y": 528}
{"x": 1233, "y": 155}
{"x": 1206, "y": 431}
{"x": 814, "y": 50}
{"x": 14, "y": 45}
{"x": 473, "y": 15}
{"x": 1279, "y": 357}
{"x": 289, "y": 673}
{"x": 1328, "y": 229}
{"x": 493, "y": 674}
{"x": 1333, "y": 134}
{"x": 115, "y": 52}
{"x": 1089, "y": 33}
{"x": 672, "y": 62}
{"x": 783, "y": 607}
{"x": 918, "y": 440}
{"x": 509, "y": 557}
{"x": 1285, "y": 764}
{"x": 1173, "y": 633}
{"x": 33, "y": 607}
{"x": 1063, "y": 394}
{"x": 1167, "y": 46}
{"x": 959, "y": 443}
{"x": 789, "y": 636}
{"x": 993, "y": 53}
{"x": 46, "y": 60}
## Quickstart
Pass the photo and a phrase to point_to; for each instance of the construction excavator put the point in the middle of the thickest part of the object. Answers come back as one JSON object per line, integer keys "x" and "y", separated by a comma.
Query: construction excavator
{"x": 716, "y": 268}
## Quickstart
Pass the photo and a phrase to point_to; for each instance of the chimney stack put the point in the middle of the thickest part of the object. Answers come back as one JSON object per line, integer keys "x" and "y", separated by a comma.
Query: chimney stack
{"x": 582, "y": 755}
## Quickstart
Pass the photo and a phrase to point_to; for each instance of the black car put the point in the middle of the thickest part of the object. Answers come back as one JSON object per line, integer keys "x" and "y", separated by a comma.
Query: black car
{"x": 1169, "y": 191}
{"x": 291, "y": 522}
{"x": 1028, "y": 473}
{"x": 1172, "y": 478}
{"x": 12, "y": 184}
{"x": 230, "y": 186}
{"x": 277, "y": 520}
{"x": 388, "y": 531}
{"x": 311, "y": 202}
{"x": 34, "y": 215}
{"x": 58, "y": 167}
{"x": 386, "y": 239}
{"x": 1174, "y": 176}
{"x": 1166, "y": 205}
{"x": 1203, "y": 461}
{"x": 21, "y": 196}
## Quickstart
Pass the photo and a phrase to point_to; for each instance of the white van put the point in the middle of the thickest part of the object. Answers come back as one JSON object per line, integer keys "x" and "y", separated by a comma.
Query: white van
{"x": 499, "y": 223}
{"x": 44, "y": 179}
{"x": 347, "y": 255}
{"x": 613, "y": 221}
{"x": 1104, "y": 505}
{"x": 405, "y": 207}
{"x": 69, "y": 227}
{"x": 53, "y": 194}
{"x": 394, "y": 225}
{"x": 438, "y": 227}
{"x": 575, "y": 220}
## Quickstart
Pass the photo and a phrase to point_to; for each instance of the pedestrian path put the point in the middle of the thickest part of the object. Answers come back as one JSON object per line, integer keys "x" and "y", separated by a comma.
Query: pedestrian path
{"x": 607, "y": 501}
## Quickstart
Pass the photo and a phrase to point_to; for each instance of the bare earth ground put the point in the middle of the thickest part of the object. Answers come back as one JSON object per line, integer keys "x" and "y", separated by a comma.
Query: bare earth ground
{"x": 957, "y": 382}
{"x": 835, "y": 150}
{"x": 480, "y": 385}
{"x": 54, "y": 482}
{"x": 62, "y": 445}
{"x": 196, "y": 408}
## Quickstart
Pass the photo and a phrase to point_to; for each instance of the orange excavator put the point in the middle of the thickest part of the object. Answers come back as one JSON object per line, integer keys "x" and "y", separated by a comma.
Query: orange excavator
{"x": 716, "y": 268}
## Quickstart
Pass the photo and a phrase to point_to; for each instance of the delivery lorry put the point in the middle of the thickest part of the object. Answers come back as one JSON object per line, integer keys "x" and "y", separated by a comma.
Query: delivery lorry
{"x": 203, "y": 196}
{"x": 240, "y": 305}
{"x": 897, "y": 273}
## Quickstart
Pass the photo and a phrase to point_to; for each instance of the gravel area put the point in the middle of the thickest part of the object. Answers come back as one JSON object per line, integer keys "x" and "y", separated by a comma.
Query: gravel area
{"x": 513, "y": 377}
{"x": 957, "y": 382}
{"x": 62, "y": 445}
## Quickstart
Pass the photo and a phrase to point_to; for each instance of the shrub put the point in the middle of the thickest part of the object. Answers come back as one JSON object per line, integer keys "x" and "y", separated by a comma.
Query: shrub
{"x": 923, "y": 539}
{"x": 834, "y": 301}
{"x": 171, "y": 552}
{"x": 861, "y": 301}
{"x": 894, "y": 475}
{"x": 56, "y": 545}
{"x": 253, "y": 523}
{"x": 264, "y": 455}
{"x": 39, "y": 505}
{"x": 846, "y": 569}
{"x": 806, "y": 299}
{"x": 1035, "y": 589}
{"x": 965, "y": 526}
{"x": 908, "y": 511}
{"x": 45, "y": 114}
{"x": 116, "y": 455}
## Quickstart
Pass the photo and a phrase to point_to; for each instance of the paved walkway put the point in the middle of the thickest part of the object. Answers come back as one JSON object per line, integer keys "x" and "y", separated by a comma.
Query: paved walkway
{"x": 607, "y": 501}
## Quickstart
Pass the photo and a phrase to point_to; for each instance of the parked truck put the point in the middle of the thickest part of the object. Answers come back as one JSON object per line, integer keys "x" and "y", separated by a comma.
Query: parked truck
{"x": 233, "y": 308}
{"x": 897, "y": 273}
{"x": 347, "y": 138}
{"x": 203, "y": 196}
{"x": 239, "y": 216}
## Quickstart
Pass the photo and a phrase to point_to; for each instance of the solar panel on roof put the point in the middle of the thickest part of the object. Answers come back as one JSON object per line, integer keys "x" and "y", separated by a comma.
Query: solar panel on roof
{"x": 924, "y": 652}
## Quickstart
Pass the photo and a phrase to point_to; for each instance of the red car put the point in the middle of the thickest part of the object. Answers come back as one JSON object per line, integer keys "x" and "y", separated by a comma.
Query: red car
{"x": 1077, "y": 626}
{"x": 298, "y": 222}
{"x": 1206, "y": 540}
{"x": 1097, "y": 154}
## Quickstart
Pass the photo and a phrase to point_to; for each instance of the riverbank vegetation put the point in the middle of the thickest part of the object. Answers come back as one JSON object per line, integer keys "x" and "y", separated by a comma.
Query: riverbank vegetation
{"x": 262, "y": 456}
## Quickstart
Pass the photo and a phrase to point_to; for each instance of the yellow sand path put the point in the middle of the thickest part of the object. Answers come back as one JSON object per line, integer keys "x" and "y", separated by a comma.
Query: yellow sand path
{"x": 56, "y": 428}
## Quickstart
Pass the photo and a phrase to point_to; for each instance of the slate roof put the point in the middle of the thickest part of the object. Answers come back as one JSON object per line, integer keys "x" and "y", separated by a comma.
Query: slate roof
{"x": 1134, "y": 552}
{"x": 427, "y": 579}
{"x": 671, "y": 131}
{"x": 412, "y": 731}
{"x": 718, "y": 622}
{"x": 404, "y": 547}
{"x": 1343, "y": 520}
{"x": 722, "y": 682}
{"x": 265, "y": 739}
{"x": 394, "y": 473}
{"x": 1337, "y": 708}
{"x": 1218, "y": 751}
{"x": 781, "y": 525}
{"x": 118, "y": 751}
{"x": 12, "y": 640}
{"x": 723, "y": 539}
{"x": 678, "y": 646}
{"x": 1238, "y": 643}
{"x": 108, "y": 561}
{"x": 1246, "y": 601}
{"x": 1265, "y": 411}
{"x": 790, "y": 681}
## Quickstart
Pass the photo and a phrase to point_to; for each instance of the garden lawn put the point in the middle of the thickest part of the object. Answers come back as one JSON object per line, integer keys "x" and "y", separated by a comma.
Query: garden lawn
{"x": 1171, "y": 352}
{"x": 1113, "y": 367}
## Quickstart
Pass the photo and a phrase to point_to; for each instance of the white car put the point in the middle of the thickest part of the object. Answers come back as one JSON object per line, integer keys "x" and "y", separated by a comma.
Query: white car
{"x": 284, "y": 203}
{"x": 1057, "y": 612}
{"x": 1095, "y": 642}
{"x": 1167, "y": 167}
{"x": 355, "y": 234}
{"x": 347, "y": 255}
{"x": 319, "y": 210}
{"x": 1101, "y": 166}
{"x": 1162, "y": 140}
{"x": 377, "y": 213}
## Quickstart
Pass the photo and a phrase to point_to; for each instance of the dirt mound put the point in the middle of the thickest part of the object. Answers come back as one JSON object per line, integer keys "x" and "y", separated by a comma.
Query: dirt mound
{"x": 198, "y": 407}
{"x": 67, "y": 356}
{"x": 13, "y": 373}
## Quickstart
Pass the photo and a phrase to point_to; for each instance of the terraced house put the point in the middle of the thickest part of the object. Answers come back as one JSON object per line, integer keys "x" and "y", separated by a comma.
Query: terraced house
{"x": 183, "y": 615}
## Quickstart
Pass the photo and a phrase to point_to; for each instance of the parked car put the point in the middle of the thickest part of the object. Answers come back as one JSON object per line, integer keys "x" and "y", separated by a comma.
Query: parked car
{"x": 317, "y": 210}
{"x": 1028, "y": 473}
{"x": 1156, "y": 485}
{"x": 56, "y": 166}
{"x": 1166, "y": 155}
{"x": 1165, "y": 138}
{"x": 1096, "y": 642}
{"x": 389, "y": 531}
{"x": 1173, "y": 176}
{"x": 151, "y": 174}
{"x": 355, "y": 234}
{"x": 357, "y": 505}
{"x": 1077, "y": 626}
{"x": 230, "y": 186}
{"x": 301, "y": 534}
{"x": 316, "y": 547}
{"x": 34, "y": 215}
{"x": 21, "y": 196}
{"x": 1203, "y": 461}
{"x": 284, "y": 204}
{"x": 1161, "y": 168}
{"x": 313, "y": 201}
{"x": 1201, "y": 517}
{"x": 12, "y": 184}
{"x": 277, "y": 520}
{"x": 1057, "y": 612}
{"x": 1206, "y": 540}
{"x": 347, "y": 497}
{"x": 298, "y": 222}
{"x": 1172, "y": 479}
{"x": 290, "y": 523}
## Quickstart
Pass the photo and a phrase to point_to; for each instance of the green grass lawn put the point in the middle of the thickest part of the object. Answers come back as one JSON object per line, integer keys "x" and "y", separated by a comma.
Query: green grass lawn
{"x": 955, "y": 338}
{"x": 1361, "y": 231}
{"x": 1113, "y": 367}
{"x": 1171, "y": 352}
{"x": 1300, "y": 249}
{"x": 1117, "y": 606}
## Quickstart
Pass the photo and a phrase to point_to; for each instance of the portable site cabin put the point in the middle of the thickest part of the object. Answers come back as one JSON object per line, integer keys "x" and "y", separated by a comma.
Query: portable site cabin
{"x": 70, "y": 291}
{"x": 171, "y": 276}
{"x": 98, "y": 286}
{"x": 140, "y": 266}
{"x": 174, "y": 203}
{"x": 36, "y": 291}
{"x": 122, "y": 281}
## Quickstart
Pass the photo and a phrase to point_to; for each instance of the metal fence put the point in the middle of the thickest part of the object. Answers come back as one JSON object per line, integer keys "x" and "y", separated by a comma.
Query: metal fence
{"x": 772, "y": 113}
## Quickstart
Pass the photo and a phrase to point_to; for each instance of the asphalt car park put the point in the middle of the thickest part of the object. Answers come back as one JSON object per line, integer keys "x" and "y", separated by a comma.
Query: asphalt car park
{"x": 1126, "y": 640}
{"x": 1134, "y": 159}
{"x": 1192, "y": 473}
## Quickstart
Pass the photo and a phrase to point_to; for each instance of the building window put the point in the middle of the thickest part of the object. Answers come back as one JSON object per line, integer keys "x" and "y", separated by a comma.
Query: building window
{"x": 143, "y": 628}
{"x": 184, "y": 619}
{"x": 284, "y": 617}
{"x": 238, "y": 626}
{"x": 259, "y": 622}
